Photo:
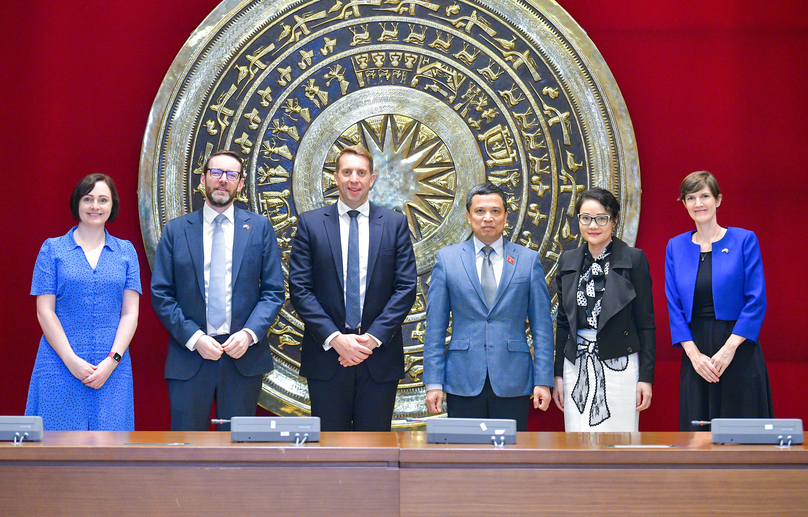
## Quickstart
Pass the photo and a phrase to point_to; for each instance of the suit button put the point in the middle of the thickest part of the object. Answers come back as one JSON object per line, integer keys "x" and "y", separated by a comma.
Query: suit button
{"x": 488, "y": 320}
{"x": 629, "y": 350}
{"x": 625, "y": 332}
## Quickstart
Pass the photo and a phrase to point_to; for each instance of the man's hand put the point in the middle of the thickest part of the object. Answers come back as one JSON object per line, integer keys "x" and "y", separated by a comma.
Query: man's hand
{"x": 237, "y": 344}
{"x": 351, "y": 351}
{"x": 434, "y": 401}
{"x": 208, "y": 348}
{"x": 541, "y": 397}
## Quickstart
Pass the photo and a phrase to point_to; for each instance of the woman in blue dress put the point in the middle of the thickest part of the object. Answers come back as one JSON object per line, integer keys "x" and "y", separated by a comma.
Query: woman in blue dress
{"x": 87, "y": 285}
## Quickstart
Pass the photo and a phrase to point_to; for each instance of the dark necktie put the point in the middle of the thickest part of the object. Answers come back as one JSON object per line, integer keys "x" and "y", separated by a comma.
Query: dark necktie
{"x": 217, "y": 291}
{"x": 488, "y": 280}
{"x": 353, "y": 313}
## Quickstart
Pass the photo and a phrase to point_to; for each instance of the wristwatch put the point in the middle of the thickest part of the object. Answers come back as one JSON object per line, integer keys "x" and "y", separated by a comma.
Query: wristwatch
{"x": 115, "y": 356}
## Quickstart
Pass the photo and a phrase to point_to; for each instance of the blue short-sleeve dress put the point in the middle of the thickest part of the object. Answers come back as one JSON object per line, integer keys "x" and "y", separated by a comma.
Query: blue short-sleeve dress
{"x": 88, "y": 305}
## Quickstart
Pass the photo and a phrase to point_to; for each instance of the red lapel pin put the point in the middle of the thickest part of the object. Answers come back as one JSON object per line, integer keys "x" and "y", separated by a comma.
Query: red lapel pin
{"x": 246, "y": 227}
{"x": 510, "y": 259}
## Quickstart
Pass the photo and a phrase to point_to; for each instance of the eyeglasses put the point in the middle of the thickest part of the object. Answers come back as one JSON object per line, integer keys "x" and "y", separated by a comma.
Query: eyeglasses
{"x": 600, "y": 219}
{"x": 217, "y": 173}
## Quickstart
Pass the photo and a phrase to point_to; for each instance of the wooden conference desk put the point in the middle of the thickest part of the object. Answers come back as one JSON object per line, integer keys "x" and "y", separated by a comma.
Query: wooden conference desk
{"x": 584, "y": 474}
{"x": 96, "y": 473}
{"x": 164, "y": 473}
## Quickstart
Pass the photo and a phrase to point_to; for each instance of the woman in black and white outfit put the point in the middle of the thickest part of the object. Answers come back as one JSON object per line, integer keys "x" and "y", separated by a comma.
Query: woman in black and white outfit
{"x": 604, "y": 360}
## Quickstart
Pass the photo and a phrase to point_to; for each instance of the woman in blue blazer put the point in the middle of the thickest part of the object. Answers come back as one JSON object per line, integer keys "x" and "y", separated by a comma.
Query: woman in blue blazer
{"x": 716, "y": 302}
{"x": 605, "y": 338}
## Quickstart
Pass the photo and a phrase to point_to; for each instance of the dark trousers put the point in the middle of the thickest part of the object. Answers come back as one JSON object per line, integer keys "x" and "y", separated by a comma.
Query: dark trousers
{"x": 191, "y": 400}
{"x": 488, "y": 405}
{"x": 353, "y": 401}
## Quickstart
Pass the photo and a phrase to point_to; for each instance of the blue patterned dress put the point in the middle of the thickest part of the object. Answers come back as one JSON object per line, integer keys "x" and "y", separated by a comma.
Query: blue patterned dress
{"x": 88, "y": 305}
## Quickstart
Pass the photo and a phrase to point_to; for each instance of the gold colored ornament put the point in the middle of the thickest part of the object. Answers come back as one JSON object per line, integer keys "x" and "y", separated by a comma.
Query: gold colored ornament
{"x": 445, "y": 94}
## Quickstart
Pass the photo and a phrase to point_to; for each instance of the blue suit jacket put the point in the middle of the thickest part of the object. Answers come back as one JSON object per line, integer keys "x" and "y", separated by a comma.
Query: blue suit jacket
{"x": 316, "y": 289}
{"x": 488, "y": 339}
{"x": 739, "y": 288}
{"x": 178, "y": 289}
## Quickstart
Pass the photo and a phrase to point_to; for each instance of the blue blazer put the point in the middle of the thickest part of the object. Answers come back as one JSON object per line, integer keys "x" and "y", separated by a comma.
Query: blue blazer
{"x": 739, "y": 288}
{"x": 486, "y": 339}
{"x": 178, "y": 289}
{"x": 317, "y": 293}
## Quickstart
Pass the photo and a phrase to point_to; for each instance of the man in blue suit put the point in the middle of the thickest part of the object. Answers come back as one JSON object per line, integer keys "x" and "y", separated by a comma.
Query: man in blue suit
{"x": 217, "y": 286}
{"x": 352, "y": 281}
{"x": 491, "y": 287}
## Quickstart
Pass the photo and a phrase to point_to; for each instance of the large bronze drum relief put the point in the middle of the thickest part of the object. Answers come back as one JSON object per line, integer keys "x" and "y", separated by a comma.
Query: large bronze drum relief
{"x": 445, "y": 94}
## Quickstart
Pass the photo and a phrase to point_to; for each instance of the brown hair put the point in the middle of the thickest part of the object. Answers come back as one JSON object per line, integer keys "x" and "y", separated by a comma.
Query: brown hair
{"x": 355, "y": 149}
{"x": 696, "y": 181}
{"x": 225, "y": 152}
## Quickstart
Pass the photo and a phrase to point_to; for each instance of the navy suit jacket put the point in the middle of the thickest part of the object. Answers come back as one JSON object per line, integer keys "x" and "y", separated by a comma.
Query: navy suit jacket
{"x": 178, "y": 289}
{"x": 739, "y": 287}
{"x": 487, "y": 339}
{"x": 316, "y": 289}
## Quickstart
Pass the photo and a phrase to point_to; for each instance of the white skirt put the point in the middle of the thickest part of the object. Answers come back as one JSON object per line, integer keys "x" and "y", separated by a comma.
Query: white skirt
{"x": 602, "y": 397}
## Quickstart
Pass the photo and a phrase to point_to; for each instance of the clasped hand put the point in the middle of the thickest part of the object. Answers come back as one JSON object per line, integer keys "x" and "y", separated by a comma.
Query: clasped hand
{"x": 353, "y": 348}
{"x": 235, "y": 346}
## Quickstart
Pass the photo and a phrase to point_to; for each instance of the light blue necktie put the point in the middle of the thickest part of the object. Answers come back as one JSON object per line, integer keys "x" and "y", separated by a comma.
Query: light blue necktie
{"x": 488, "y": 280}
{"x": 217, "y": 290}
{"x": 353, "y": 313}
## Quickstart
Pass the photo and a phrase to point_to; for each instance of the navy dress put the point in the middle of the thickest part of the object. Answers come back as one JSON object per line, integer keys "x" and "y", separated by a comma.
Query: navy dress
{"x": 88, "y": 305}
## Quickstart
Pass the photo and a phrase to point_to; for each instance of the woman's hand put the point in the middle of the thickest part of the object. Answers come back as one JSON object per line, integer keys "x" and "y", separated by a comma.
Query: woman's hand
{"x": 80, "y": 368}
{"x": 643, "y": 395}
{"x": 724, "y": 356}
{"x": 558, "y": 393}
{"x": 101, "y": 374}
{"x": 701, "y": 363}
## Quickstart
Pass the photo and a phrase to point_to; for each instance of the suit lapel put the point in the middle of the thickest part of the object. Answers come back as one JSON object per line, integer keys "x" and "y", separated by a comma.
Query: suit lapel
{"x": 193, "y": 237}
{"x": 470, "y": 265}
{"x": 331, "y": 227}
{"x": 569, "y": 286}
{"x": 618, "y": 291}
{"x": 241, "y": 235}
{"x": 375, "y": 232}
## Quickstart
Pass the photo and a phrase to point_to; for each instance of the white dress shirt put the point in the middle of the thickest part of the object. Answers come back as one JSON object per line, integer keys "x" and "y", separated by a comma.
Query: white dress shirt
{"x": 496, "y": 257}
{"x": 228, "y": 227}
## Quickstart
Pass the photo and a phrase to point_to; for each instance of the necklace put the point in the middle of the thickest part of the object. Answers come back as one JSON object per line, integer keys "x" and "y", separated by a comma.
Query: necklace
{"x": 710, "y": 242}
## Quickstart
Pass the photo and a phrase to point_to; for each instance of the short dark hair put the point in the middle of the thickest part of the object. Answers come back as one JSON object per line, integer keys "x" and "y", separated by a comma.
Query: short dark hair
{"x": 696, "y": 181}
{"x": 483, "y": 189}
{"x": 225, "y": 152}
{"x": 602, "y": 196}
{"x": 357, "y": 149}
{"x": 85, "y": 186}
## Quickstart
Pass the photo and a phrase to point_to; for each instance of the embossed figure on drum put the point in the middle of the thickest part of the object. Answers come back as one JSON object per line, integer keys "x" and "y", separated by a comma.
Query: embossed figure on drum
{"x": 716, "y": 302}
{"x": 352, "y": 281}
